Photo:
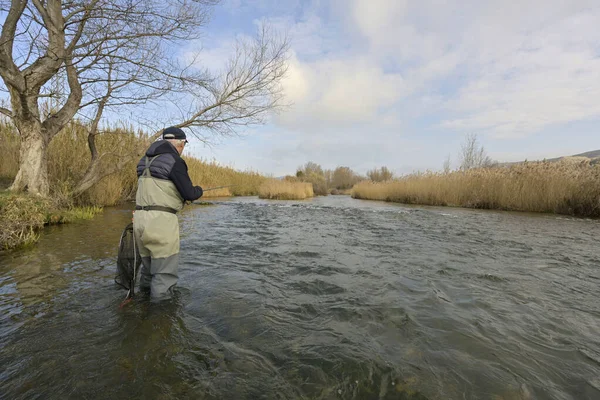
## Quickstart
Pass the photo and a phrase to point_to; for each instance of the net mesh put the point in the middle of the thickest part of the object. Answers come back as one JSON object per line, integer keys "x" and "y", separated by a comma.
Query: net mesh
{"x": 128, "y": 259}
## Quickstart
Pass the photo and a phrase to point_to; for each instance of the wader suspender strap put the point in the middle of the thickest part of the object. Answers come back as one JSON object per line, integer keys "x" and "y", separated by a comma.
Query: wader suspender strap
{"x": 147, "y": 167}
{"x": 147, "y": 174}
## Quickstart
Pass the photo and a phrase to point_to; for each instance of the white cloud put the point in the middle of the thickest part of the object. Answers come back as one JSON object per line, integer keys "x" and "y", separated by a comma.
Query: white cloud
{"x": 408, "y": 69}
{"x": 527, "y": 65}
{"x": 339, "y": 91}
{"x": 547, "y": 76}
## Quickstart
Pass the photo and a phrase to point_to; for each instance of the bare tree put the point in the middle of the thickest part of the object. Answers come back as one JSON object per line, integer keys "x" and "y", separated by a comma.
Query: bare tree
{"x": 344, "y": 178}
{"x": 116, "y": 55}
{"x": 380, "y": 175}
{"x": 313, "y": 173}
{"x": 311, "y": 168}
{"x": 243, "y": 94}
{"x": 472, "y": 154}
{"x": 447, "y": 163}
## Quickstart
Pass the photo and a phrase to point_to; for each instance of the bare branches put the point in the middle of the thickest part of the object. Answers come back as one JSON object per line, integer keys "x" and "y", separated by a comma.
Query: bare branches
{"x": 472, "y": 154}
{"x": 91, "y": 57}
{"x": 6, "y": 111}
{"x": 93, "y": 130}
{"x": 246, "y": 91}
{"x": 55, "y": 123}
{"x": 10, "y": 72}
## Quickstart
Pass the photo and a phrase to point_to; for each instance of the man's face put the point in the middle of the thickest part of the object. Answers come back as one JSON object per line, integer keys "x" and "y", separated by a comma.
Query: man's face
{"x": 181, "y": 146}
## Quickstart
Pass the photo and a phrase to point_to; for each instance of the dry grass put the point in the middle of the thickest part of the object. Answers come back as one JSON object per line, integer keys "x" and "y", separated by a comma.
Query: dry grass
{"x": 211, "y": 174}
{"x": 285, "y": 190}
{"x": 22, "y": 216}
{"x": 566, "y": 187}
{"x": 9, "y": 151}
{"x": 20, "y": 219}
{"x": 69, "y": 158}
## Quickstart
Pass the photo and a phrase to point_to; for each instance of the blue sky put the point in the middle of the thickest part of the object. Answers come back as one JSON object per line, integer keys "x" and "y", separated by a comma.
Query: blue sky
{"x": 401, "y": 82}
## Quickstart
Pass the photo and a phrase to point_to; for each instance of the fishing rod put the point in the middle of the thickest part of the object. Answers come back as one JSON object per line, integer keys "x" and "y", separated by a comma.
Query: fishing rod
{"x": 218, "y": 187}
{"x": 201, "y": 203}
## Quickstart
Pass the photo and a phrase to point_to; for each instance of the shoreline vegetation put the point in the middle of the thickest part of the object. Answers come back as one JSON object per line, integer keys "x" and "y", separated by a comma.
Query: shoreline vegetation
{"x": 285, "y": 190}
{"x": 23, "y": 215}
{"x": 570, "y": 186}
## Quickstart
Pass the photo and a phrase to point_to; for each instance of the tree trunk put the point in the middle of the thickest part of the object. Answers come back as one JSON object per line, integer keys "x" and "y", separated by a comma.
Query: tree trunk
{"x": 33, "y": 164}
{"x": 90, "y": 178}
{"x": 95, "y": 173}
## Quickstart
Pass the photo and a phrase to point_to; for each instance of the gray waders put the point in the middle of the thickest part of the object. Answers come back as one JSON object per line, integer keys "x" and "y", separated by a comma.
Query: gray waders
{"x": 156, "y": 230}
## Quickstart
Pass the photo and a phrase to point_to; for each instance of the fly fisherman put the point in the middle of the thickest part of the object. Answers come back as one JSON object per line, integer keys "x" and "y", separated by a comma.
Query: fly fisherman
{"x": 163, "y": 187}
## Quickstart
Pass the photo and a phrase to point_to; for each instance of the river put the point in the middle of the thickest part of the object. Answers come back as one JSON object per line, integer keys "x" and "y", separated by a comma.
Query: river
{"x": 329, "y": 298}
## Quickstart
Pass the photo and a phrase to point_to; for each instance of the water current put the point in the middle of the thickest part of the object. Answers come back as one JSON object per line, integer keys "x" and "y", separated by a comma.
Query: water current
{"x": 330, "y": 298}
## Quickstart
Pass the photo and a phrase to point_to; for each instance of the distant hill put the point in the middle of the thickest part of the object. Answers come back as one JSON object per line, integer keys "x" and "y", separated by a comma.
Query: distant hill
{"x": 594, "y": 155}
{"x": 588, "y": 154}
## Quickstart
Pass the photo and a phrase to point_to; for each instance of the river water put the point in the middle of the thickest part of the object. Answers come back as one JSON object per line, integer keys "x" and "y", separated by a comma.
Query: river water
{"x": 331, "y": 298}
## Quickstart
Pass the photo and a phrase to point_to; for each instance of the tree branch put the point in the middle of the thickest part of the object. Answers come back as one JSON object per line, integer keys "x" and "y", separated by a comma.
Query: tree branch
{"x": 8, "y": 70}
{"x": 6, "y": 112}
{"x": 54, "y": 123}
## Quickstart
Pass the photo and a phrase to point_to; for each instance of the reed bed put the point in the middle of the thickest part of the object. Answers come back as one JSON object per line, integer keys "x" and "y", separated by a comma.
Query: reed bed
{"x": 569, "y": 186}
{"x": 9, "y": 151}
{"x": 69, "y": 157}
{"x": 21, "y": 216}
{"x": 285, "y": 190}
{"x": 210, "y": 174}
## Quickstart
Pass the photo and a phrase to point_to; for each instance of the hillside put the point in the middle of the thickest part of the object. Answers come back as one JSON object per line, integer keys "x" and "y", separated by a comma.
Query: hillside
{"x": 588, "y": 154}
{"x": 594, "y": 155}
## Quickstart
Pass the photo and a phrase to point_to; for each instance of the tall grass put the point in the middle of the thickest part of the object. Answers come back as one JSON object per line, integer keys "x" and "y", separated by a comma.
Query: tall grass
{"x": 21, "y": 216}
{"x": 566, "y": 187}
{"x": 9, "y": 151}
{"x": 285, "y": 190}
{"x": 20, "y": 219}
{"x": 212, "y": 174}
{"x": 69, "y": 157}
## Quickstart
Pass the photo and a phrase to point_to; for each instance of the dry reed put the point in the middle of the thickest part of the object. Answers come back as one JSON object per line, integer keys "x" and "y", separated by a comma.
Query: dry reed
{"x": 21, "y": 216}
{"x": 212, "y": 174}
{"x": 570, "y": 186}
{"x": 69, "y": 157}
{"x": 285, "y": 190}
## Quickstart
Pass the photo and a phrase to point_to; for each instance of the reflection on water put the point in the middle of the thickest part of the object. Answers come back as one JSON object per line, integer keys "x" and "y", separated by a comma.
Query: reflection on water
{"x": 331, "y": 298}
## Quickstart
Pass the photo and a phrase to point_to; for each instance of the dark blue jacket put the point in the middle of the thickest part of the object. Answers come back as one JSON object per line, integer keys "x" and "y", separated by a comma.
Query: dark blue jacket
{"x": 169, "y": 165}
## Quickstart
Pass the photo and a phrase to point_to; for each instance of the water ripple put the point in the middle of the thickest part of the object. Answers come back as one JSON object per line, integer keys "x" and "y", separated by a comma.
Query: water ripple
{"x": 320, "y": 299}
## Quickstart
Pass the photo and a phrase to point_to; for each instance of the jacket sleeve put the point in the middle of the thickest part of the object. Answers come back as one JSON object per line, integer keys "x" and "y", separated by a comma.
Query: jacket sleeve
{"x": 183, "y": 183}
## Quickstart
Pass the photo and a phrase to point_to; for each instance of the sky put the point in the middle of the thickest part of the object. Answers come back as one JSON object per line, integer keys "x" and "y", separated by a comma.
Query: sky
{"x": 400, "y": 83}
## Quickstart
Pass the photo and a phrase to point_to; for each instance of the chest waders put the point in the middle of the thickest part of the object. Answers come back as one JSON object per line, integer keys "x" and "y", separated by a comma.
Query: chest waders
{"x": 156, "y": 233}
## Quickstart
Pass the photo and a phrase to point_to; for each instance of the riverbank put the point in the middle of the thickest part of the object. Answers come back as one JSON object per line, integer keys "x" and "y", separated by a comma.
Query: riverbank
{"x": 69, "y": 157}
{"x": 23, "y": 216}
{"x": 569, "y": 187}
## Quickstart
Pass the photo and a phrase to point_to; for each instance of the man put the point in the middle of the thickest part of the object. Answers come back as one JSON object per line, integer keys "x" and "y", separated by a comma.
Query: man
{"x": 163, "y": 187}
